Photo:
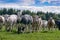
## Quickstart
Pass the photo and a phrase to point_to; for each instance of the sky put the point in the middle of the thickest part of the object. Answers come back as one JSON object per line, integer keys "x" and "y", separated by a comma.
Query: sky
{"x": 33, "y": 5}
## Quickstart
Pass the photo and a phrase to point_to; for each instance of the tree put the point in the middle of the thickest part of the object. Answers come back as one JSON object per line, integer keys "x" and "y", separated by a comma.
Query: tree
{"x": 40, "y": 13}
{"x": 12, "y": 11}
{"x": 4, "y": 11}
{"x": 26, "y": 12}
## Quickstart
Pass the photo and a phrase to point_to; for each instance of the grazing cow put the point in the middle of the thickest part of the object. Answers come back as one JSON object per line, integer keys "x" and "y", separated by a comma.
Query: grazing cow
{"x": 2, "y": 21}
{"x": 36, "y": 23}
{"x": 27, "y": 19}
{"x": 11, "y": 20}
{"x": 58, "y": 23}
{"x": 51, "y": 23}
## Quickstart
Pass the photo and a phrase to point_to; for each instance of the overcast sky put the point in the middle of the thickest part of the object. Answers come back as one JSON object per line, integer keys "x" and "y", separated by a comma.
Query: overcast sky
{"x": 33, "y": 5}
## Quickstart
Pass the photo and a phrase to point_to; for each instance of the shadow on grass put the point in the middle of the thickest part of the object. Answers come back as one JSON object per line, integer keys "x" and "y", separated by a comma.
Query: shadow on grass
{"x": 15, "y": 32}
{"x": 47, "y": 32}
{"x": 44, "y": 31}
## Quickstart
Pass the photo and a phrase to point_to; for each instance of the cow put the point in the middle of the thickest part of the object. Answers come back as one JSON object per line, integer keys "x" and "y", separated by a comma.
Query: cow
{"x": 26, "y": 20}
{"x": 2, "y": 21}
{"x": 51, "y": 23}
{"x": 44, "y": 24}
{"x": 37, "y": 22}
{"x": 6, "y": 23}
{"x": 11, "y": 20}
{"x": 58, "y": 23}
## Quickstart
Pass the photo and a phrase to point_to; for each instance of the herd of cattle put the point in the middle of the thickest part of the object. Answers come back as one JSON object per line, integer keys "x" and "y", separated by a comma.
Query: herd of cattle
{"x": 27, "y": 22}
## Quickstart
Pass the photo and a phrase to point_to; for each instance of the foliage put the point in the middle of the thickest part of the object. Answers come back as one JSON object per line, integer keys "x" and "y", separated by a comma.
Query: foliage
{"x": 44, "y": 16}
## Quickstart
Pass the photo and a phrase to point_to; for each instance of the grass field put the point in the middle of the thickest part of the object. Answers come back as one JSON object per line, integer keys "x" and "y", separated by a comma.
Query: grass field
{"x": 51, "y": 35}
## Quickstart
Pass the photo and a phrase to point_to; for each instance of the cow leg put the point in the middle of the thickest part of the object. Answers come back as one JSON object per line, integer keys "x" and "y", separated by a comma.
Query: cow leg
{"x": 26, "y": 27}
{"x": 59, "y": 27}
{"x": 30, "y": 28}
{"x": 33, "y": 27}
{"x": 23, "y": 28}
{"x": 49, "y": 28}
{"x": 38, "y": 27}
{"x": 0, "y": 26}
{"x": 11, "y": 27}
{"x": 7, "y": 27}
{"x": 53, "y": 28}
{"x": 43, "y": 28}
{"x": 19, "y": 29}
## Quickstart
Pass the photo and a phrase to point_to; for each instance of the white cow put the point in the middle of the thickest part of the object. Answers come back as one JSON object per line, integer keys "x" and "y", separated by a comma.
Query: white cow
{"x": 12, "y": 19}
{"x": 44, "y": 24}
{"x": 2, "y": 21}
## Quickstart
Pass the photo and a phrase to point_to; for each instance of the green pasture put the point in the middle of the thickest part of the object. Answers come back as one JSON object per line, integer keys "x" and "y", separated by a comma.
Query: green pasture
{"x": 43, "y": 35}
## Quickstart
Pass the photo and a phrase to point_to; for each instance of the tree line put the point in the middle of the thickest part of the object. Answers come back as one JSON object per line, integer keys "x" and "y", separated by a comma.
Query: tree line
{"x": 43, "y": 15}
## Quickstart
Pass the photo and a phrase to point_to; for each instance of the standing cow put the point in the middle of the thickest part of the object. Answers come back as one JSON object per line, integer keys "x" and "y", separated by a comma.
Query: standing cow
{"x": 6, "y": 23}
{"x": 51, "y": 23}
{"x": 58, "y": 24}
{"x": 36, "y": 23}
{"x": 2, "y": 21}
{"x": 27, "y": 20}
{"x": 44, "y": 24}
{"x": 11, "y": 20}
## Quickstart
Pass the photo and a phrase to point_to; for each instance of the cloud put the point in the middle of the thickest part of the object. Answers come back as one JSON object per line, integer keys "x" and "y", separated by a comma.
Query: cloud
{"x": 27, "y": 2}
{"x": 10, "y": 5}
{"x": 53, "y": 9}
{"x": 50, "y": 1}
{"x": 27, "y": 5}
{"x": 20, "y": 2}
